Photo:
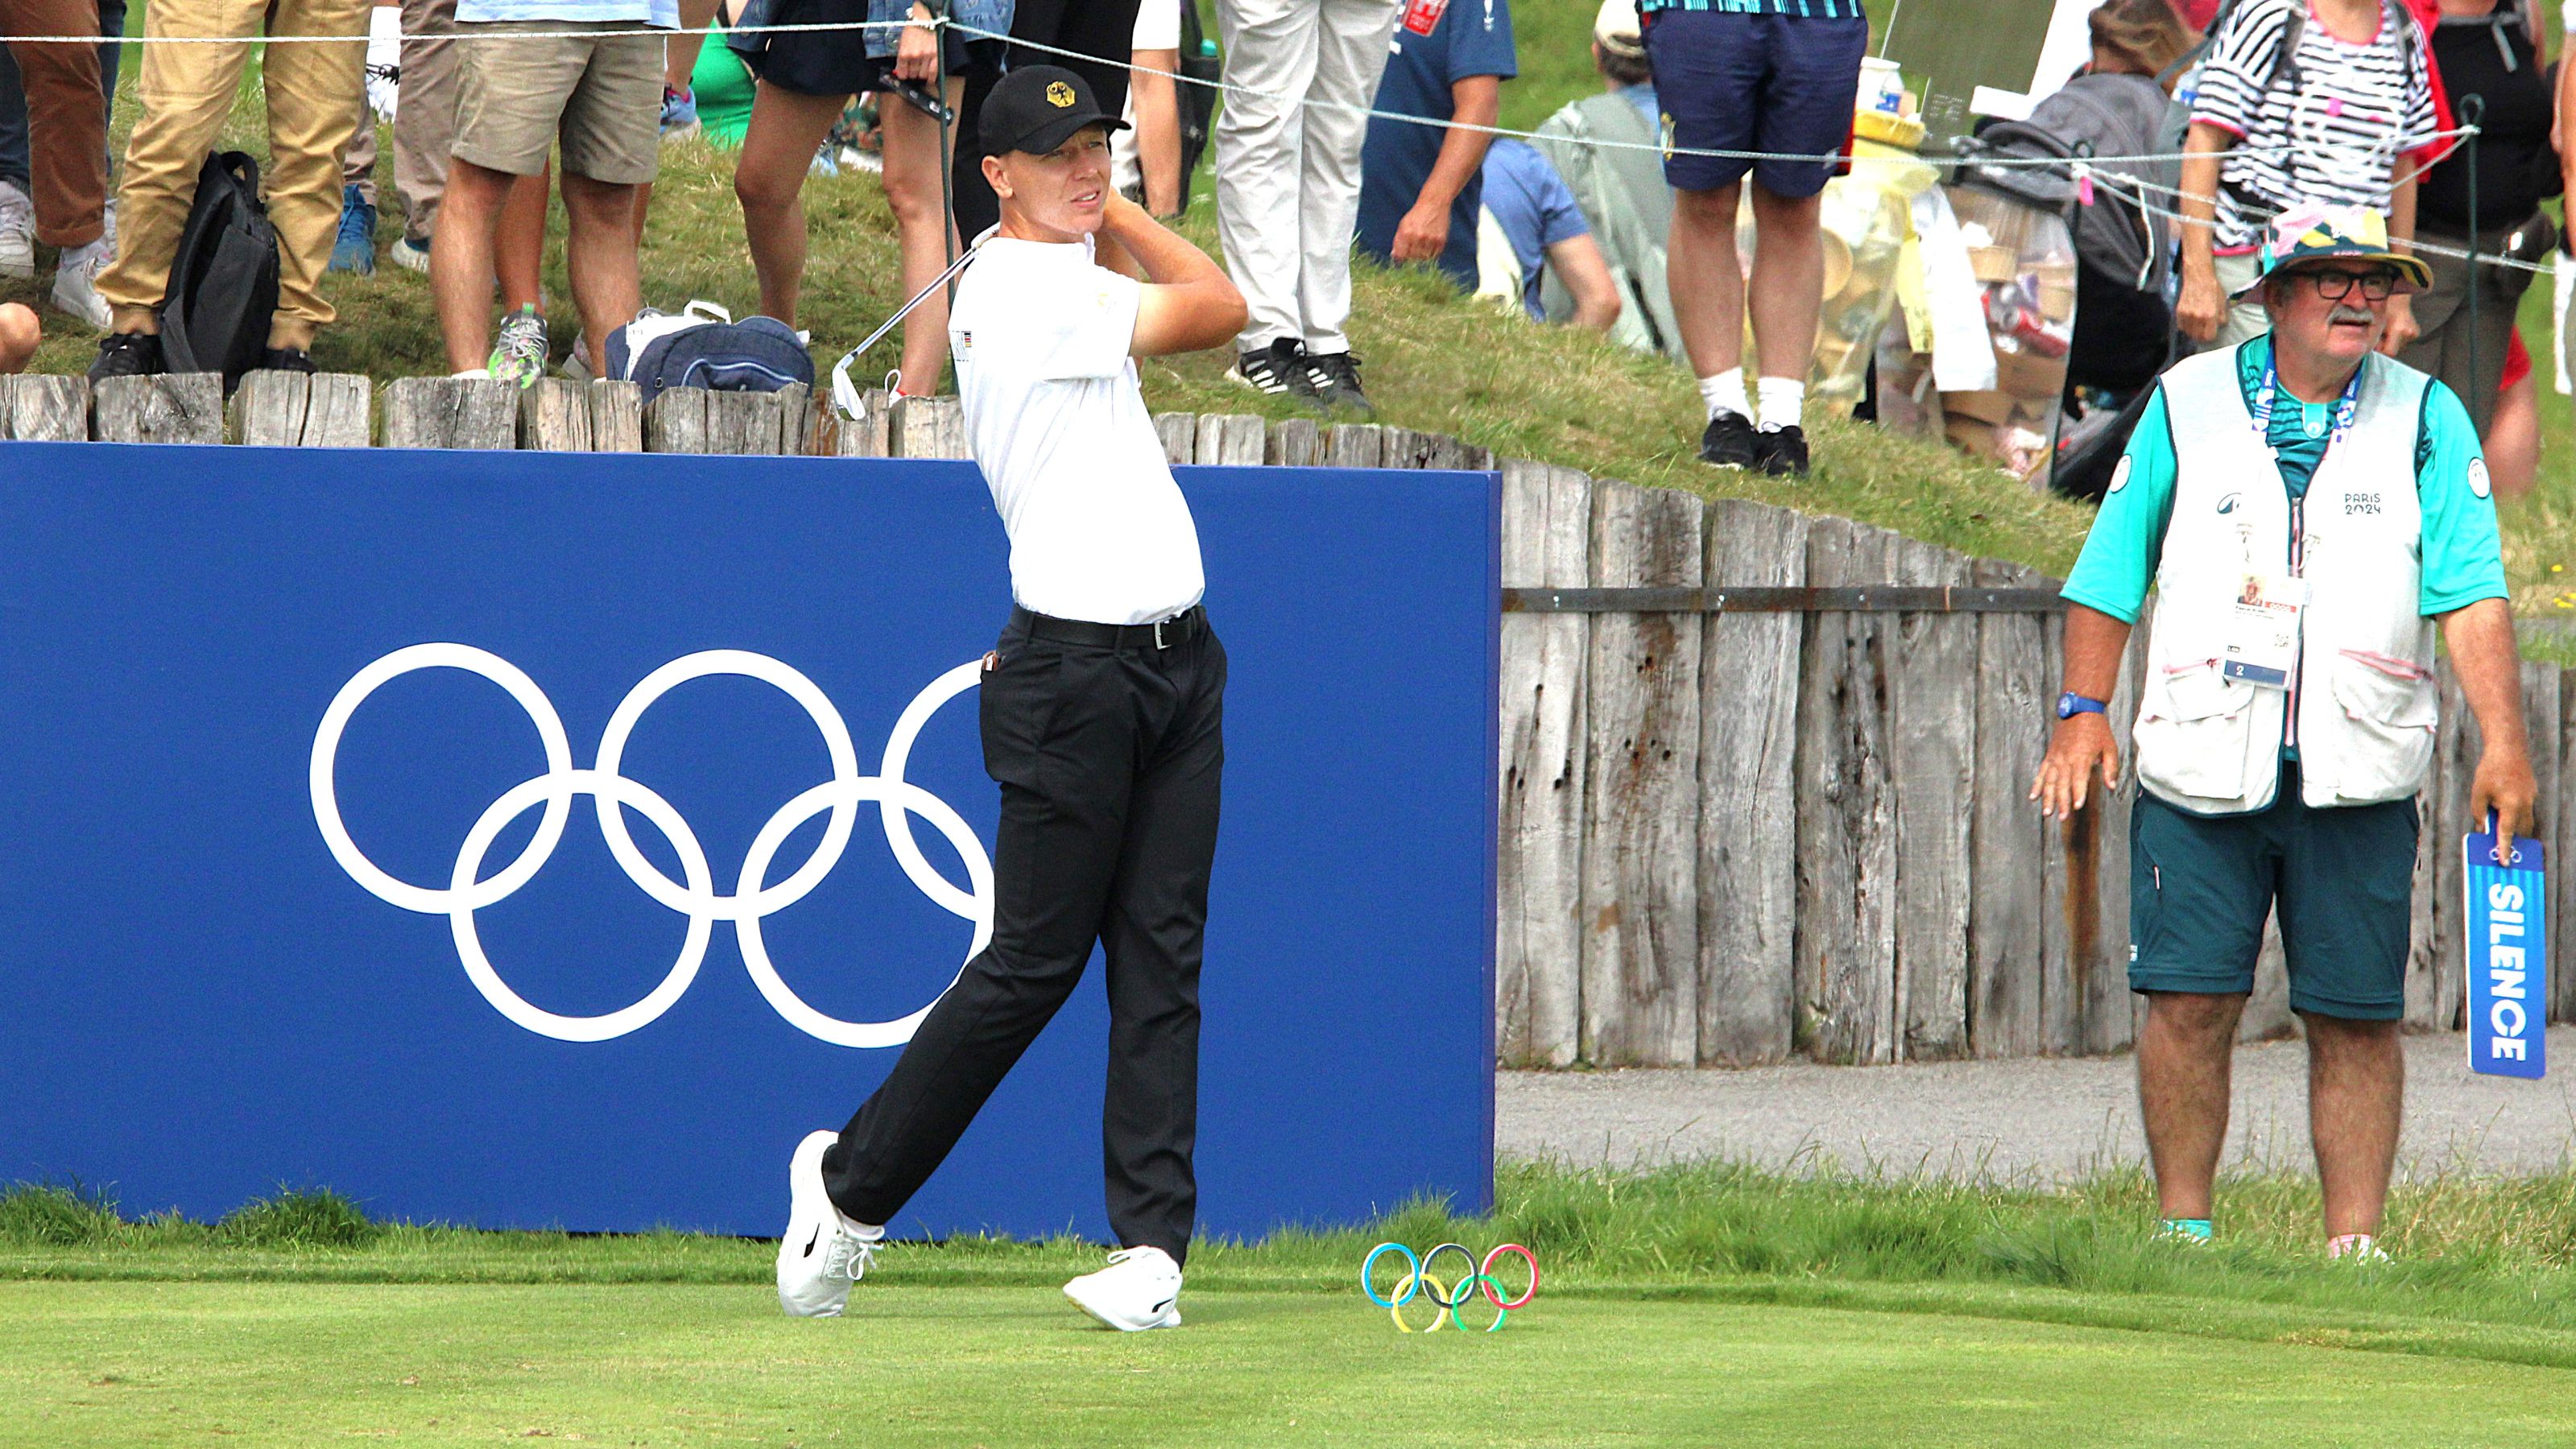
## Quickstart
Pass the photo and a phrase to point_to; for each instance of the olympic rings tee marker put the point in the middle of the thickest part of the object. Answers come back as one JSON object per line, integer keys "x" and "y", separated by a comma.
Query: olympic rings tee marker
{"x": 1099, "y": 531}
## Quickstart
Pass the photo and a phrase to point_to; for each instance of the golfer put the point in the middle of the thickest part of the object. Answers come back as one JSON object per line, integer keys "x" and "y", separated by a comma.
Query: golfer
{"x": 1102, "y": 709}
{"x": 2309, "y": 512}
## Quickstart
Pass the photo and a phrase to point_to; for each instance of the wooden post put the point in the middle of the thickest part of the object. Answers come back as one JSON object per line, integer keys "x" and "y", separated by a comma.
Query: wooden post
{"x": 451, "y": 412}
{"x": 1846, "y": 811}
{"x": 1228, "y": 438}
{"x": 1640, "y": 850}
{"x": 2541, "y": 706}
{"x": 1180, "y": 435}
{"x": 2426, "y": 916}
{"x": 1403, "y": 447}
{"x": 1748, "y": 836}
{"x": 1295, "y": 443}
{"x": 741, "y": 423}
{"x": 929, "y": 427}
{"x": 1547, "y": 524}
{"x": 616, "y": 416}
{"x": 1354, "y": 445}
{"x": 792, "y": 409}
{"x": 2008, "y": 842}
{"x": 183, "y": 407}
{"x": 870, "y": 434}
{"x": 554, "y": 416}
{"x": 339, "y": 411}
{"x": 2436, "y": 1002}
{"x": 274, "y": 409}
{"x": 2563, "y": 940}
{"x": 675, "y": 421}
{"x": 47, "y": 409}
{"x": 1932, "y": 728}
{"x": 2097, "y": 864}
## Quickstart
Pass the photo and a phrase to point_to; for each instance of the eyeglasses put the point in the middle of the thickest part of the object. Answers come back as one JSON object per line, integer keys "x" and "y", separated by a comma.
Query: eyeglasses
{"x": 2334, "y": 284}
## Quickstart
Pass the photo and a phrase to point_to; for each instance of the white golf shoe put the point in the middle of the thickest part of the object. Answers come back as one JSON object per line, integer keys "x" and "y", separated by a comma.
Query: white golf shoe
{"x": 17, "y": 233}
{"x": 1141, "y": 1288}
{"x": 76, "y": 283}
{"x": 822, "y": 1252}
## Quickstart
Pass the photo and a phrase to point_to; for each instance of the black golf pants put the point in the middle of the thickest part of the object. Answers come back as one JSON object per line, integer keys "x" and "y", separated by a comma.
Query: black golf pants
{"x": 1108, "y": 756}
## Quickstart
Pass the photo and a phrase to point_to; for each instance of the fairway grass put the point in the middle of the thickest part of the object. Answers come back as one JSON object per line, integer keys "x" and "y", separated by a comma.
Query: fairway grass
{"x": 299, "y": 1364}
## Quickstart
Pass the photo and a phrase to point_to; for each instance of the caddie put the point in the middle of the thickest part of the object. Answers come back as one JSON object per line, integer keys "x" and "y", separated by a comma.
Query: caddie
{"x": 1102, "y": 712}
{"x": 2308, "y": 511}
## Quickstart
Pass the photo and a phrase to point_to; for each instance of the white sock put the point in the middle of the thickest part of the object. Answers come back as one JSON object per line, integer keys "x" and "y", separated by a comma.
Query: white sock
{"x": 1784, "y": 399}
{"x": 484, "y": 373}
{"x": 94, "y": 251}
{"x": 1724, "y": 393}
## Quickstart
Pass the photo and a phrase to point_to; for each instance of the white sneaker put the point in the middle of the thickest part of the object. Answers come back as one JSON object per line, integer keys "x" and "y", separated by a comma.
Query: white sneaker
{"x": 1141, "y": 1288}
{"x": 17, "y": 233}
{"x": 823, "y": 1252}
{"x": 76, "y": 283}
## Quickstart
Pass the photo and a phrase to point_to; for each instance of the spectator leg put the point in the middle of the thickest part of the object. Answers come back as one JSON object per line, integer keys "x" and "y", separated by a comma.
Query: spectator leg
{"x": 309, "y": 94}
{"x": 461, "y": 265}
{"x": 425, "y": 123}
{"x": 1351, "y": 48}
{"x": 599, "y": 257}
{"x": 111, "y": 57}
{"x": 1270, "y": 48}
{"x": 680, "y": 52}
{"x": 67, "y": 132}
{"x": 2356, "y": 1087}
{"x": 1158, "y": 131}
{"x": 1788, "y": 281}
{"x": 2513, "y": 438}
{"x": 1706, "y": 278}
{"x": 769, "y": 178}
{"x": 2185, "y": 1052}
{"x": 187, "y": 94}
{"x": 14, "y": 164}
{"x": 921, "y": 226}
{"x": 358, "y": 158}
{"x": 519, "y": 250}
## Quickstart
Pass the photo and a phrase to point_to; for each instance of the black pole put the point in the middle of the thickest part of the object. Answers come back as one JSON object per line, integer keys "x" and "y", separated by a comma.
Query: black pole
{"x": 2473, "y": 108}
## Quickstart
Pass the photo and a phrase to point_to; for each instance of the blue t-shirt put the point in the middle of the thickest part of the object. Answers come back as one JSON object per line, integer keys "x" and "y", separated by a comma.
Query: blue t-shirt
{"x": 1438, "y": 43}
{"x": 1535, "y": 209}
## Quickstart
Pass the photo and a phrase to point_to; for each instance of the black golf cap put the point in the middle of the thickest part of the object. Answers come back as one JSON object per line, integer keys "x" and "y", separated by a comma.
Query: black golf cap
{"x": 1037, "y": 109}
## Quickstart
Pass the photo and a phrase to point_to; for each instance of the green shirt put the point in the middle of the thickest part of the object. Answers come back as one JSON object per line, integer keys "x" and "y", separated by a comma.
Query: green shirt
{"x": 2463, "y": 561}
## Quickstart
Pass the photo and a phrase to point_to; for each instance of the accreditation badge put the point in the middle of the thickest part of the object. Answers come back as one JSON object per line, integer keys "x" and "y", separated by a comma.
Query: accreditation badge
{"x": 2263, "y": 630}
{"x": 2508, "y": 959}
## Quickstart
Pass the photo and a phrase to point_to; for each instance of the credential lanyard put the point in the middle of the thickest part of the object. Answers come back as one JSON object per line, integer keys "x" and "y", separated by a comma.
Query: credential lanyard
{"x": 2267, "y": 393}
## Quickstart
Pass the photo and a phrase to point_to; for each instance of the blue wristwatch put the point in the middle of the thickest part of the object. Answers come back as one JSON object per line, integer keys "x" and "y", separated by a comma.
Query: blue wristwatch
{"x": 2071, "y": 704}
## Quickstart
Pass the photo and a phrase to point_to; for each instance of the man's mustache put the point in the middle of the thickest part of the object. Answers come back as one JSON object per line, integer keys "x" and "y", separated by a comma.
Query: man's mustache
{"x": 2345, "y": 312}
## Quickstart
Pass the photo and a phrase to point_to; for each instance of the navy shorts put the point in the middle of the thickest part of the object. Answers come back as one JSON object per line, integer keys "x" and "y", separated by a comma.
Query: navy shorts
{"x": 2342, "y": 879}
{"x": 1729, "y": 81}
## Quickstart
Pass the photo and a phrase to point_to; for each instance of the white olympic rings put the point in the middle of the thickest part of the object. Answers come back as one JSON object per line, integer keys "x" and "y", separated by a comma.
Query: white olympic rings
{"x": 694, "y": 895}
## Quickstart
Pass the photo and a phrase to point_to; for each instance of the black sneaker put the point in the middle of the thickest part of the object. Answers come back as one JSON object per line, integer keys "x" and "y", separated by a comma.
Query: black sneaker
{"x": 1335, "y": 377}
{"x": 287, "y": 359}
{"x": 1728, "y": 443}
{"x": 1277, "y": 369}
{"x": 1781, "y": 452}
{"x": 127, "y": 354}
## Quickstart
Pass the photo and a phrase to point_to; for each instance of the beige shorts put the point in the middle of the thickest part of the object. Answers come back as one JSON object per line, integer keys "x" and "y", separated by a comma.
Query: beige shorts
{"x": 602, "y": 95}
{"x": 2246, "y": 319}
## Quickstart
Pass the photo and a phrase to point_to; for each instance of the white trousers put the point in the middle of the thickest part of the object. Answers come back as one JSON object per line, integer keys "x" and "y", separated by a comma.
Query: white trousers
{"x": 1287, "y": 176}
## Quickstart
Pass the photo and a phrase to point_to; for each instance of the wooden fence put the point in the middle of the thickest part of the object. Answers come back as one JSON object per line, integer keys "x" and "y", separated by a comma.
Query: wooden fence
{"x": 1777, "y": 807}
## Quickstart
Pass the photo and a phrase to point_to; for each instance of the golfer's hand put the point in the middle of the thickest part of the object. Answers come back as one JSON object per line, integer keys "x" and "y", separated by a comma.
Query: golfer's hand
{"x": 2200, "y": 307}
{"x": 2079, "y": 749}
{"x": 1422, "y": 234}
{"x": 916, "y": 50}
{"x": 2401, "y": 325}
{"x": 2503, "y": 785}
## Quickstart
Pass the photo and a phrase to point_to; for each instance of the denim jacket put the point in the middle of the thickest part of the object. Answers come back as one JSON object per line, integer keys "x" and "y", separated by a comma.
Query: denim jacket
{"x": 989, "y": 15}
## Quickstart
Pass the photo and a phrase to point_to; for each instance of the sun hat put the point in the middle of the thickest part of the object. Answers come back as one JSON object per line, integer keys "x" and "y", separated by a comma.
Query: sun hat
{"x": 2317, "y": 233}
{"x": 1615, "y": 29}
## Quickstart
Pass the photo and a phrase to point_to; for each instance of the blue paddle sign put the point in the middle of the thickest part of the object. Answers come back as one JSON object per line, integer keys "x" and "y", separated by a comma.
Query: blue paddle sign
{"x": 2508, "y": 958}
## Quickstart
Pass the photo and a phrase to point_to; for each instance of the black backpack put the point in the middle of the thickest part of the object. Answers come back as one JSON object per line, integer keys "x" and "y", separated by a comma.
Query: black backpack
{"x": 223, "y": 284}
{"x": 1201, "y": 67}
{"x": 2116, "y": 231}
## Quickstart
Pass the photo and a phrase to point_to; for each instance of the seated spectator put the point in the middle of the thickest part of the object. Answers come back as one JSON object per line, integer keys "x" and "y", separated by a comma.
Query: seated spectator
{"x": 1532, "y": 232}
{"x": 2300, "y": 105}
{"x": 2492, "y": 52}
{"x": 312, "y": 90}
{"x": 1621, "y": 189}
{"x": 1421, "y": 186}
{"x": 53, "y": 148}
{"x": 601, "y": 94}
{"x": 19, "y": 334}
{"x": 2123, "y": 327}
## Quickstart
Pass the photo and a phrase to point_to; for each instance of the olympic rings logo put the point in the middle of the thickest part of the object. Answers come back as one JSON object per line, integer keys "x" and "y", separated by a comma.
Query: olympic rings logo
{"x": 1418, "y": 1281}
{"x": 694, "y": 896}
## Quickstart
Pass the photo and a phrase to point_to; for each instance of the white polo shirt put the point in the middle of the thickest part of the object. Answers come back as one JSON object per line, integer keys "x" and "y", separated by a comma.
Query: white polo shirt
{"x": 1098, "y": 529}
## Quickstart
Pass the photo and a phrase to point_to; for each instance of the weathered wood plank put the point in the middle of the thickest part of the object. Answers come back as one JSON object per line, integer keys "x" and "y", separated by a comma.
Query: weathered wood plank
{"x": 2542, "y": 706}
{"x": 871, "y": 433}
{"x": 1474, "y": 459}
{"x": 742, "y": 423}
{"x": 2436, "y": 1002}
{"x": 675, "y": 421}
{"x": 451, "y": 412}
{"x": 2111, "y": 1012}
{"x": 616, "y": 416}
{"x": 929, "y": 427}
{"x": 793, "y": 406}
{"x": 172, "y": 407}
{"x": 1932, "y": 725}
{"x": 267, "y": 410}
{"x": 2061, "y": 972}
{"x": 1402, "y": 447}
{"x": 1354, "y": 445}
{"x": 1748, "y": 869}
{"x": 1538, "y": 969}
{"x": 2425, "y": 917}
{"x": 1295, "y": 443}
{"x": 1846, "y": 811}
{"x": 554, "y": 416}
{"x": 1640, "y": 888}
{"x": 1180, "y": 435}
{"x": 2008, "y": 840}
{"x": 1228, "y": 438}
{"x": 339, "y": 410}
{"x": 48, "y": 409}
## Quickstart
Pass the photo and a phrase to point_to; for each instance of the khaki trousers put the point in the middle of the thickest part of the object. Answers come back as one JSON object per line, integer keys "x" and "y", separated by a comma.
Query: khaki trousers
{"x": 187, "y": 93}
{"x": 424, "y": 120}
{"x": 66, "y": 129}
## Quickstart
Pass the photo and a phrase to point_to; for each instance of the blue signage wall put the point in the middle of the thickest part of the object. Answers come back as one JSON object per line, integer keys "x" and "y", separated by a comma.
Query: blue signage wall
{"x": 304, "y": 878}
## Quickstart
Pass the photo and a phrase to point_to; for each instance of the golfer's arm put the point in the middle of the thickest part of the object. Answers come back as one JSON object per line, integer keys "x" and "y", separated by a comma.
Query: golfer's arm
{"x": 2202, "y": 147}
{"x": 1188, "y": 302}
{"x": 2480, "y": 638}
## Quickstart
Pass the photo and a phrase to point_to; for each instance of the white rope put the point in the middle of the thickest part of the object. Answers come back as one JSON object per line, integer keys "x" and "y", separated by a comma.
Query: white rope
{"x": 2138, "y": 198}
{"x": 362, "y": 37}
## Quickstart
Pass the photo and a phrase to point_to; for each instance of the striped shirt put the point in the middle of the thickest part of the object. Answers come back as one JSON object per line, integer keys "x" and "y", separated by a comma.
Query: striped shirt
{"x": 1814, "y": 9}
{"x": 2333, "y": 139}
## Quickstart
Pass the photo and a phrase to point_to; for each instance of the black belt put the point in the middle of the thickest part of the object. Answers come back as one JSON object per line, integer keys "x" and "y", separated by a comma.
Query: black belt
{"x": 1181, "y": 628}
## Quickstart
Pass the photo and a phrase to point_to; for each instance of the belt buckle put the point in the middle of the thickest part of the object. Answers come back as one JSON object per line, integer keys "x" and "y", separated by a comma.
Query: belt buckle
{"x": 1158, "y": 633}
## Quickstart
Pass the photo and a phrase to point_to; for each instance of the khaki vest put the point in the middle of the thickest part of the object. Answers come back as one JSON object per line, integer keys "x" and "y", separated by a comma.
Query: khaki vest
{"x": 2363, "y": 695}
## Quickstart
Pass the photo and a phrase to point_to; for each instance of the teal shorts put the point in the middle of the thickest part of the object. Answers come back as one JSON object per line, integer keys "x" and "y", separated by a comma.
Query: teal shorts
{"x": 2200, "y": 887}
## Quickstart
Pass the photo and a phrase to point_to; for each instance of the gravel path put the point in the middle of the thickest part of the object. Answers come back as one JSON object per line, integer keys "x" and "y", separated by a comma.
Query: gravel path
{"x": 2036, "y": 1119}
